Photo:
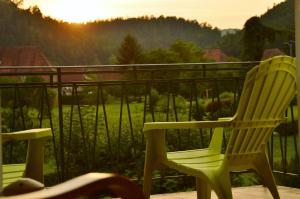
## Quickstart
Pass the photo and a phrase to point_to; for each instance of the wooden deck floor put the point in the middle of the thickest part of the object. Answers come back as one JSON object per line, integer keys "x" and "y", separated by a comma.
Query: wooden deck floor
{"x": 252, "y": 192}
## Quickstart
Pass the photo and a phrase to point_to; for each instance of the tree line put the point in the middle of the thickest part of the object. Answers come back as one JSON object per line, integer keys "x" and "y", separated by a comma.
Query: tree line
{"x": 98, "y": 42}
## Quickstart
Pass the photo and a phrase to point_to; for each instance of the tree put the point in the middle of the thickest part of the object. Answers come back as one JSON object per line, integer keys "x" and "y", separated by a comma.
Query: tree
{"x": 130, "y": 51}
{"x": 231, "y": 44}
{"x": 255, "y": 37}
{"x": 187, "y": 51}
{"x": 160, "y": 56}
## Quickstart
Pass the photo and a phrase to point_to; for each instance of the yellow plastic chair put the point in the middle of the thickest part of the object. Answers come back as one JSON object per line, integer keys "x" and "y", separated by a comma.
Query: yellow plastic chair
{"x": 268, "y": 90}
{"x": 33, "y": 168}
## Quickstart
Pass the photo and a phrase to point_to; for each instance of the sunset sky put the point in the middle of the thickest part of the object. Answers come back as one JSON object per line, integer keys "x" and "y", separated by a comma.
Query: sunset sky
{"x": 219, "y": 13}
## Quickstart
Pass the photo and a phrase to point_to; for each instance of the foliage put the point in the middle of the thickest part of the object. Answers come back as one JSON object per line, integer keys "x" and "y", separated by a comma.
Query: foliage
{"x": 255, "y": 37}
{"x": 129, "y": 51}
{"x": 159, "y": 56}
{"x": 95, "y": 42}
{"x": 231, "y": 44}
{"x": 244, "y": 179}
{"x": 281, "y": 16}
{"x": 186, "y": 52}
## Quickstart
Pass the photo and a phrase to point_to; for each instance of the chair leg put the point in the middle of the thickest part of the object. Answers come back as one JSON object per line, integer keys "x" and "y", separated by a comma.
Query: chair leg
{"x": 203, "y": 189}
{"x": 147, "y": 184}
{"x": 222, "y": 185}
{"x": 147, "y": 179}
{"x": 264, "y": 171}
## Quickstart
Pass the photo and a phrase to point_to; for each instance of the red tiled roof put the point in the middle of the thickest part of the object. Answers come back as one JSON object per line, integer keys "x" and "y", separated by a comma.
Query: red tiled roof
{"x": 215, "y": 54}
{"x": 23, "y": 56}
{"x": 72, "y": 77}
{"x": 268, "y": 53}
{"x": 32, "y": 56}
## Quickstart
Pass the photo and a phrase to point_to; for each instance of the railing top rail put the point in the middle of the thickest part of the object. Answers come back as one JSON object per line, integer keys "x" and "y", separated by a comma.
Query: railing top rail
{"x": 129, "y": 65}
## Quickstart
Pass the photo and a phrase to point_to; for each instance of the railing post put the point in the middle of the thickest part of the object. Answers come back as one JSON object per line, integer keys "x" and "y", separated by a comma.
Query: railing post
{"x": 204, "y": 70}
{"x": 0, "y": 143}
{"x": 61, "y": 126}
{"x": 297, "y": 38}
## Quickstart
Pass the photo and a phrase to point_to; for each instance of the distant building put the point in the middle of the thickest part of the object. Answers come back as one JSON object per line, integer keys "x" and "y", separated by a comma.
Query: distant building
{"x": 33, "y": 56}
{"x": 215, "y": 54}
{"x": 71, "y": 74}
{"x": 24, "y": 56}
{"x": 225, "y": 32}
{"x": 271, "y": 52}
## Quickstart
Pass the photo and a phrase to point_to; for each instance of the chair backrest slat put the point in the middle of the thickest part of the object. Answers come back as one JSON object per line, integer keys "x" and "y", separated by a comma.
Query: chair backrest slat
{"x": 267, "y": 92}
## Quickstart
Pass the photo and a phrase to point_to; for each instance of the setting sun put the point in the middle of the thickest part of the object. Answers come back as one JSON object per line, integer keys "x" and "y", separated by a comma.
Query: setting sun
{"x": 229, "y": 14}
{"x": 74, "y": 11}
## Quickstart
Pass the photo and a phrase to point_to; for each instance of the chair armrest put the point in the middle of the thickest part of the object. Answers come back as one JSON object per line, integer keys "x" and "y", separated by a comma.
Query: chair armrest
{"x": 186, "y": 125}
{"x": 27, "y": 134}
{"x": 87, "y": 184}
{"x": 35, "y": 150}
{"x": 155, "y": 135}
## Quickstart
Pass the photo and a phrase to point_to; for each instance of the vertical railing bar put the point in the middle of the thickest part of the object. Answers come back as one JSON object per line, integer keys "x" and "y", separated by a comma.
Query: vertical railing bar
{"x": 269, "y": 154}
{"x": 10, "y": 154}
{"x": 96, "y": 124}
{"x": 197, "y": 108}
{"x": 285, "y": 145}
{"x": 190, "y": 112}
{"x": 145, "y": 110}
{"x": 84, "y": 136}
{"x": 294, "y": 136}
{"x": 41, "y": 112}
{"x": 21, "y": 108}
{"x": 272, "y": 151}
{"x": 70, "y": 130}
{"x": 235, "y": 97}
{"x": 168, "y": 101}
{"x": 14, "y": 110}
{"x": 145, "y": 103}
{"x": 53, "y": 135}
{"x": 204, "y": 70}
{"x": 176, "y": 115}
{"x": 168, "y": 106}
{"x": 151, "y": 103}
{"x": 120, "y": 124}
{"x": 281, "y": 150}
{"x": 105, "y": 119}
{"x": 130, "y": 121}
{"x": 61, "y": 126}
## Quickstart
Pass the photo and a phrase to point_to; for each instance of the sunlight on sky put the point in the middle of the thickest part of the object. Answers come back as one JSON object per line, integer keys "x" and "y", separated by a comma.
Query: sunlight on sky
{"x": 219, "y": 13}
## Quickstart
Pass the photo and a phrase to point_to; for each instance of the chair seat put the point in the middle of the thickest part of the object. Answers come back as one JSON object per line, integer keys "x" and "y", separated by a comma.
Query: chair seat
{"x": 12, "y": 172}
{"x": 192, "y": 160}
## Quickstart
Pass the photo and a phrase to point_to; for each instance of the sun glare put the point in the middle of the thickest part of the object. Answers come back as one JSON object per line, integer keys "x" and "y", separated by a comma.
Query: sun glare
{"x": 81, "y": 11}
{"x": 75, "y": 11}
{"x": 231, "y": 14}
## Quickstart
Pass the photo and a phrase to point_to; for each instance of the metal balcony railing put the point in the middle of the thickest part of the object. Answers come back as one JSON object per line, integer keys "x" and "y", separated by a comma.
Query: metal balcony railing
{"x": 97, "y": 112}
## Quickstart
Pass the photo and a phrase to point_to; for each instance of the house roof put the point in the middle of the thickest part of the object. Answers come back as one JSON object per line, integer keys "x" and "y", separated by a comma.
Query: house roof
{"x": 72, "y": 74}
{"x": 33, "y": 56}
{"x": 271, "y": 52}
{"x": 23, "y": 56}
{"x": 215, "y": 54}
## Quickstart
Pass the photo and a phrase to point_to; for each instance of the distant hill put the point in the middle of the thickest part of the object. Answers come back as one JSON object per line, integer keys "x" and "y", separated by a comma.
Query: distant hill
{"x": 281, "y": 16}
{"x": 94, "y": 43}
{"x": 158, "y": 32}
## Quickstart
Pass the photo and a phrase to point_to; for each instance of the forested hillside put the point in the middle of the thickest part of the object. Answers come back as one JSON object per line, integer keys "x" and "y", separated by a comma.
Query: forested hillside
{"x": 279, "y": 20}
{"x": 281, "y": 16}
{"x": 96, "y": 42}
